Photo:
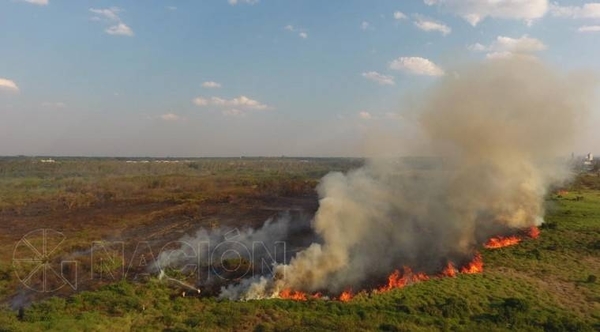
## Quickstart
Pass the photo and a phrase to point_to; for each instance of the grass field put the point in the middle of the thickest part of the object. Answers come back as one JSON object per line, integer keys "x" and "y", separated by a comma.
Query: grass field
{"x": 544, "y": 284}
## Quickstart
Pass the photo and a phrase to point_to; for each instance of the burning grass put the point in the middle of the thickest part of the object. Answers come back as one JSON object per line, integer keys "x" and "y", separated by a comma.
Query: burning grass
{"x": 501, "y": 241}
{"x": 519, "y": 289}
{"x": 399, "y": 279}
{"x": 547, "y": 284}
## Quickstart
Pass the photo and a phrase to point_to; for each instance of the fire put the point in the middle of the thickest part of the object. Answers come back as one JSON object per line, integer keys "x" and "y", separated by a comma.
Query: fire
{"x": 400, "y": 279}
{"x": 475, "y": 266}
{"x": 397, "y": 280}
{"x": 533, "y": 232}
{"x": 346, "y": 296}
{"x": 420, "y": 277}
{"x": 289, "y": 294}
{"x": 292, "y": 295}
{"x": 500, "y": 242}
{"x": 394, "y": 281}
{"x": 449, "y": 271}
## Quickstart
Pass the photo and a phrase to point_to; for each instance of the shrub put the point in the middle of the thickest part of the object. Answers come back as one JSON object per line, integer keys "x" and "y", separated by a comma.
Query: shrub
{"x": 456, "y": 308}
{"x": 512, "y": 310}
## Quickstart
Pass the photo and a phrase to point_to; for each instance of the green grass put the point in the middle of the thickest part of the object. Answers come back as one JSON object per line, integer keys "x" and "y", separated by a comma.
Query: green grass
{"x": 82, "y": 182}
{"x": 547, "y": 284}
{"x": 538, "y": 285}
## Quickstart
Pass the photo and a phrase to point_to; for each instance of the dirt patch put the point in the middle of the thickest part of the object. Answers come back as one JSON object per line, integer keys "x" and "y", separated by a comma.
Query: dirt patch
{"x": 138, "y": 225}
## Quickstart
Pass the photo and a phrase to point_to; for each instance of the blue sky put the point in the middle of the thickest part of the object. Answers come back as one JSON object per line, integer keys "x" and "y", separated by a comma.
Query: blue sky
{"x": 267, "y": 77}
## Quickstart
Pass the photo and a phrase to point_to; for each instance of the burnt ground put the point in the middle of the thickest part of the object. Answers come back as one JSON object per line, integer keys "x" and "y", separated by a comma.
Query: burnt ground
{"x": 143, "y": 227}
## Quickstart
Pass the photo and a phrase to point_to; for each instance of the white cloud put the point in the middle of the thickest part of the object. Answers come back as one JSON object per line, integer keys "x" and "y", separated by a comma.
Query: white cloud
{"x": 171, "y": 8}
{"x": 589, "y": 28}
{"x": 241, "y": 103}
{"x": 364, "y": 25}
{"x": 301, "y": 33}
{"x": 504, "y": 47}
{"x": 398, "y": 15}
{"x": 524, "y": 44}
{"x": 588, "y": 10}
{"x": 365, "y": 115}
{"x": 120, "y": 29}
{"x": 199, "y": 101}
{"x": 509, "y": 55}
{"x": 417, "y": 66}
{"x": 427, "y": 24}
{"x": 108, "y": 13}
{"x": 170, "y": 117}
{"x": 211, "y": 85}
{"x": 379, "y": 78}
{"x": 235, "y": 2}
{"x": 8, "y": 85}
{"x": 475, "y": 11}
{"x": 499, "y": 55}
{"x": 477, "y": 47}
{"x": 37, "y": 2}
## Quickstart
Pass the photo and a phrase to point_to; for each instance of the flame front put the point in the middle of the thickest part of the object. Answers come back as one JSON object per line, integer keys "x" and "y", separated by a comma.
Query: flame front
{"x": 292, "y": 295}
{"x": 399, "y": 279}
{"x": 501, "y": 242}
{"x": 475, "y": 266}
{"x": 346, "y": 296}
{"x": 449, "y": 271}
{"x": 533, "y": 232}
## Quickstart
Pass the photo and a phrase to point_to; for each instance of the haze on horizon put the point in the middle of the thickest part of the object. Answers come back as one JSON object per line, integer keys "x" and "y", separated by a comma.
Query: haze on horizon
{"x": 185, "y": 78}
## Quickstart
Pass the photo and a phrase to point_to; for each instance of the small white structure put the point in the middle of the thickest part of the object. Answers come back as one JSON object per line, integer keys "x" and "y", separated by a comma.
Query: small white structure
{"x": 588, "y": 160}
{"x": 49, "y": 160}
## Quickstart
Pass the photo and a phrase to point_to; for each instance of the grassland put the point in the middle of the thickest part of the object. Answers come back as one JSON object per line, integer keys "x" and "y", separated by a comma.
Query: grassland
{"x": 547, "y": 284}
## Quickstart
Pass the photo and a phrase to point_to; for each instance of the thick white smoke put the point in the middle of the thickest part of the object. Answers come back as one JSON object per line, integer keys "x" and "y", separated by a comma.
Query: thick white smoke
{"x": 495, "y": 130}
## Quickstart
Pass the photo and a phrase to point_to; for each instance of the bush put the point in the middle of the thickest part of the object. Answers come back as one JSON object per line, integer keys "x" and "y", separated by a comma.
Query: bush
{"x": 388, "y": 328}
{"x": 456, "y": 308}
{"x": 512, "y": 310}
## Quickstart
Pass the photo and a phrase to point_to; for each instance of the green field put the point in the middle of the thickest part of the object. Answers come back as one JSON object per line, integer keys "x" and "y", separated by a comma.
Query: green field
{"x": 544, "y": 284}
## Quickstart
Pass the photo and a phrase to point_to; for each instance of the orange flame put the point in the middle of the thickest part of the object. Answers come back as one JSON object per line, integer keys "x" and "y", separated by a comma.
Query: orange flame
{"x": 289, "y": 294}
{"x": 399, "y": 279}
{"x": 420, "y": 277}
{"x": 500, "y": 242}
{"x": 395, "y": 280}
{"x": 475, "y": 266}
{"x": 449, "y": 271}
{"x": 346, "y": 296}
{"x": 533, "y": 232}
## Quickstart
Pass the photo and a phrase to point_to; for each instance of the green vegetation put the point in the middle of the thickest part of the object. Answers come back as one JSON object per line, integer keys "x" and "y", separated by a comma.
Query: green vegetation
{"x": 73, "y": 183}
{"x": 546, "y": 284}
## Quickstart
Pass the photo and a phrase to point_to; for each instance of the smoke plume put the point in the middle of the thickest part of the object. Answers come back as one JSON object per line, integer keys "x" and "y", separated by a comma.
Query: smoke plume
{"x": 495, "y": 130}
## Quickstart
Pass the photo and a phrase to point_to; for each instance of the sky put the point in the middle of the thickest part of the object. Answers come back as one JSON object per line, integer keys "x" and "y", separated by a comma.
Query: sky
{"x": 177, "y": 78}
